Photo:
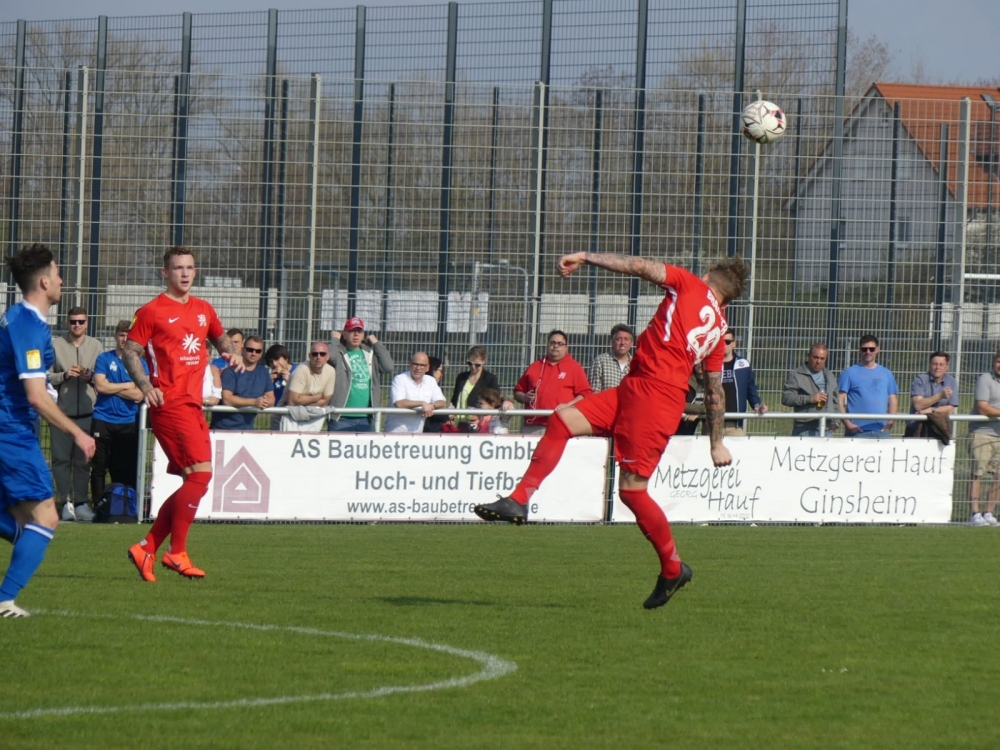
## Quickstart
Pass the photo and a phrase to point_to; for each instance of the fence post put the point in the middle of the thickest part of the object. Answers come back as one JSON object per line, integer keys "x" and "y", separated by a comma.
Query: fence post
{"x": 794, "y": 216}
{"x": 353, "y": 241}
{"x": 638, "y": 153}
{"x": 942, "y": 234}
{"x": 734, "y": 139}
{"x": 179, "y": 182}
{"x": 890, "y": 281}
{"x": 495, "y": 122}
{"x": 267, "y": 178}
{"x": 387, "y": 222}
{"x": 836, "y": 226}
{"x": 64, "y": 186}
{"x": 542, "y": 125}
{"x": 17, "y": 150}
{"x": 447, "y": 140}
{"x": 699, "y": 187}
{"x": 82, "y": 92}
{"x": 537, "y": 145}
{"x": 315, "y": 86}
{"x": 279, "y": 238}
{"x": 595, "y": 211}
{"x": 964, "y": 138}
{"x": 98, "y": 161}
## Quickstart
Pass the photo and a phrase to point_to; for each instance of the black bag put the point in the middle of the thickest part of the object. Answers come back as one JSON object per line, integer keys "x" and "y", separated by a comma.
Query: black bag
{"x": 117, "y": 505}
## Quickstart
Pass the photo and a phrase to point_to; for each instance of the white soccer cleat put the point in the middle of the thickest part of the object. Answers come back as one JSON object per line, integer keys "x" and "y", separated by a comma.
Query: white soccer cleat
{"x": 84, "y": 513}
{"x": 978, "y": 520}
{"x": 9, "y": 609}
{"x": 990, "y": 519}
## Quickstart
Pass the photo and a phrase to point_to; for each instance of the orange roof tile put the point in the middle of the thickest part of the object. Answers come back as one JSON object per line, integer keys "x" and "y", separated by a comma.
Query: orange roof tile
{"x": 923, "y": 109}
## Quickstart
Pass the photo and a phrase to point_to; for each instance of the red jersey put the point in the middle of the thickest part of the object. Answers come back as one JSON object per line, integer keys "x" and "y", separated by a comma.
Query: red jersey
{"x": 554, "y": 384}
{"x": 686, "y": 330}
{"x": 174, "y": 336}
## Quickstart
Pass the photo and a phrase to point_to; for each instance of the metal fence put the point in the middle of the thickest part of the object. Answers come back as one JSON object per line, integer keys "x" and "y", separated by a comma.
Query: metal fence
{"x": 423, "y": 168}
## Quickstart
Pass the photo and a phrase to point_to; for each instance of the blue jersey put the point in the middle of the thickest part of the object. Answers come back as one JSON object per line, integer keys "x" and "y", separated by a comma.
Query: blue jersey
{"x": 25, "y": 352}
{"x": 112, "y": 408}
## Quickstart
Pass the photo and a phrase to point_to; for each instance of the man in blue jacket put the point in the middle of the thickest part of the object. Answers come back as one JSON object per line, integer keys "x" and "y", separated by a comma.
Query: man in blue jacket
{"x": 740, "y": 386}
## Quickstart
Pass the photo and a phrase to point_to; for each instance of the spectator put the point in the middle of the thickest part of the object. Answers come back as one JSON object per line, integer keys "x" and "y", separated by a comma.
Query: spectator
{"x": 694, "y": 409}
{"x": 470, "y": 384}
{"x": 211, "y": 386}
{"x": 807, "y": 391}
{"x": 236, "y": 336}
{"x": 556, "y": 380}
{"x": 414, "y": 390}
{"x": 437, "y": 422}
{"x": 739, "y": 384}
{"x": 279, "y": 362}
{"x": 309, "y": 391}
{"x": 609, "y": 368}
{"x": 114, "y": 425}
{"x": 494, "y": 424}
{"x": 72, "y": 375}
{"x": 986, "y": 445}
{"x": 932, "y": 392}
{"x": 359, "y": 360}
{"x": 252, "y": 387}
{"x": 868, "y": 388}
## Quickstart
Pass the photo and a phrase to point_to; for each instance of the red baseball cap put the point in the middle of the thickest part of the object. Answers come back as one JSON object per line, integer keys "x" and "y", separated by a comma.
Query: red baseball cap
{"x": 353, "y": 324}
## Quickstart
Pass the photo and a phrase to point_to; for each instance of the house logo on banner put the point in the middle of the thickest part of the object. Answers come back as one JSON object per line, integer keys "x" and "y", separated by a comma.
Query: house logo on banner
{"x": 241, "y": 485}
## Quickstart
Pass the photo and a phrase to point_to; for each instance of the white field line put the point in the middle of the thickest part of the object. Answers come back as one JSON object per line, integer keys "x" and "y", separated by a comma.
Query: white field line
{"x": 492, "y": 668}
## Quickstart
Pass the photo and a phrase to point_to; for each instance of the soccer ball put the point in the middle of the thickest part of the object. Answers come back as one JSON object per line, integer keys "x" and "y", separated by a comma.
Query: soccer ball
{"x": 762, "y": 122}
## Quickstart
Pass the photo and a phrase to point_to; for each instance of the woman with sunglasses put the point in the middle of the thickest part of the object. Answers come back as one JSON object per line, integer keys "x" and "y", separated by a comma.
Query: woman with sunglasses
{"x": 469, "y": 384}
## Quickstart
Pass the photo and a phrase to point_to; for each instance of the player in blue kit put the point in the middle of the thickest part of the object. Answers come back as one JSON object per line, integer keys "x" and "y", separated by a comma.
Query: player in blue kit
{"x": 28, "y": 516}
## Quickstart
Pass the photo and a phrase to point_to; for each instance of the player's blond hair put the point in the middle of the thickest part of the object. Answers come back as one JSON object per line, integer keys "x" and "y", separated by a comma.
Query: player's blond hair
{"x": 173, "y": 252}
{"x": 729, "y": 278}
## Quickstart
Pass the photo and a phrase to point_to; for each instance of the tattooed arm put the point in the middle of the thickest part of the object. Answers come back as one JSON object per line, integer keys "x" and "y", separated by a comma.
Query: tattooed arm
{"x": 132, "y": 359}
{"x": 228, "y": 352}
{"x": 629, "y": 265}
{"x": 715, "y": 411}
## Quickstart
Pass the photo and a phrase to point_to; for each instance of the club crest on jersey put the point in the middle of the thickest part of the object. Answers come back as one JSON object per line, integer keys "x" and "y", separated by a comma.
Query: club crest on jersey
{"x": 191, "y": 344}
{"x": 113, "y": 367}
{"x": 203, "y": 321}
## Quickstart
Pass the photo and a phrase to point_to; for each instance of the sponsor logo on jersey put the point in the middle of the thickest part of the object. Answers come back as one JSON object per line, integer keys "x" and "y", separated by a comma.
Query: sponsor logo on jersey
{"x": 173, "y": 320}
{"x": 191, "y": 344}
{"x": 34, "y": 357}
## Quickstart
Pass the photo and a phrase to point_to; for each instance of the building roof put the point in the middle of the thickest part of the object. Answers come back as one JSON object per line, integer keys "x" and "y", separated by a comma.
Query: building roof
{"x": 922, "y": 111}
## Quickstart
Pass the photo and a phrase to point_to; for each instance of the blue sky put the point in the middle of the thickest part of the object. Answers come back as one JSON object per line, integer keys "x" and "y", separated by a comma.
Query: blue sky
{"x": 954, "y": 41}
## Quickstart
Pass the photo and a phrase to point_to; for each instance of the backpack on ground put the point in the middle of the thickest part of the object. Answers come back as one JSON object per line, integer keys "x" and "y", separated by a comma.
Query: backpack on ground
{"x": 117, "y": 505}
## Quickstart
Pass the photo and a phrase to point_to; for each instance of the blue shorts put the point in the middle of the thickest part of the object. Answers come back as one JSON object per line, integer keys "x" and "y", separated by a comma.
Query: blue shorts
{"x": 24, "y": 475}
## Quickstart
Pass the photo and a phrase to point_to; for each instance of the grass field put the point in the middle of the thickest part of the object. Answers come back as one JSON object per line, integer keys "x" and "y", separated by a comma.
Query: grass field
{"x": 788, "y": 637}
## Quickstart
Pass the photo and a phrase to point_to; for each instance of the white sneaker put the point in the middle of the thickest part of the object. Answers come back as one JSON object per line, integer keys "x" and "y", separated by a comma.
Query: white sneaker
{"x": 978, "y": 520}
{"x": 990, "y": 519}
{"x": 68, "y": 514}
{"x": 84, "y": 513}
{"x": 9, "y": 609}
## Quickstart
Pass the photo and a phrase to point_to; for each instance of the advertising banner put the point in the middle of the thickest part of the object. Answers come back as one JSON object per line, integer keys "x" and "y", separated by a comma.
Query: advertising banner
{"x": 375, "y": 477}
{"x": 804, "y": 480}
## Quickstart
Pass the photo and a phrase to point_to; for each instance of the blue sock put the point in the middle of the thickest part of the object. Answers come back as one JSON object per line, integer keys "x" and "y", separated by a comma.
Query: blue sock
{"x": 29, "y": 551}
{"x": 9, "y": 528}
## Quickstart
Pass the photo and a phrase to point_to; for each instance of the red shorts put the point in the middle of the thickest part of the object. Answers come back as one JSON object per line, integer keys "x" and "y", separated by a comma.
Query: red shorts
{"x": 641, "y": 414}
{"x": 183, "y": 434}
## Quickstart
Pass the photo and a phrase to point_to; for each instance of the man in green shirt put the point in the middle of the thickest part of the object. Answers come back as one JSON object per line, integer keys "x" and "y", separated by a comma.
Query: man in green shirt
{"x": 359, "y": 360}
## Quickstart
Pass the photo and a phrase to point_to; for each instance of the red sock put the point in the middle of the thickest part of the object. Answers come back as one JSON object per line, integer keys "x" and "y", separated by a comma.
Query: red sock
{"x": 188, "y": 497}
{"x": 654, "y": 524}
{"x": 547, "y": 454}
{"x": 161, "y": 526}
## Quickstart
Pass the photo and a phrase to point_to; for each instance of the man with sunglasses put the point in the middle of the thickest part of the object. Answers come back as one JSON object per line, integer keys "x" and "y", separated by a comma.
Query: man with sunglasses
{"x": 868, "y": 388}
{"x": 309, "y": 391}
{"x": 415, "y": 389}
{"x": 72, "y": 376}
{"x": 360, "y": 360}
{"x": 252, "y": 387}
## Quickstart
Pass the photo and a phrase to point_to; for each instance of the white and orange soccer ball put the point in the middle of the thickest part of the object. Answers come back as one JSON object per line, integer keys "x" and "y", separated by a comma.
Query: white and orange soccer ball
{"x": 762, "y": 122}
